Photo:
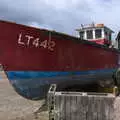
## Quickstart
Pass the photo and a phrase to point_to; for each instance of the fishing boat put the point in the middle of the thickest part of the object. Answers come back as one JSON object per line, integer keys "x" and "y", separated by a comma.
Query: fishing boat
{"x": 33, "y": 58}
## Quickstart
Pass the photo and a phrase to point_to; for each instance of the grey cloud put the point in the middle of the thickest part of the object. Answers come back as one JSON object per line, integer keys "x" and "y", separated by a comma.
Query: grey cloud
{"x": 63, "y": 16}
{"x": 64, "y": 19}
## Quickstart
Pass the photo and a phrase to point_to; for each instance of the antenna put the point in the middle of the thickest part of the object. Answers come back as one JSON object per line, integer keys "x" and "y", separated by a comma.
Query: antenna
{"x": 82, "y": 25}
{"x": 93, "y": 24}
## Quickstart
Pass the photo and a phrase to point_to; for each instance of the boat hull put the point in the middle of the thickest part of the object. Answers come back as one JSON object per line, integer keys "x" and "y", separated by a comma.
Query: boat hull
{"x": 35, "y": 58}
{"x": 35, "y": 85}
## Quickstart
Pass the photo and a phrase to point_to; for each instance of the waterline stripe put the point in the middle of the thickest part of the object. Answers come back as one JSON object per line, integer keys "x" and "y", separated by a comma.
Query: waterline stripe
{"x": 43, "y": 74}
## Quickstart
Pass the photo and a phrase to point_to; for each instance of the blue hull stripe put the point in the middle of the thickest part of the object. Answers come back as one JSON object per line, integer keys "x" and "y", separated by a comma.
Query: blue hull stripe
{"x": 35, "y": 84}
{"x": 43, "y": 74}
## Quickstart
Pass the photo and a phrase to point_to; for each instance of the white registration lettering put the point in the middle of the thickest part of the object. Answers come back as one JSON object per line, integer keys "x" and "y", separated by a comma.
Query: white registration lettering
{"x": 36, "y": 42}
{"x": 29, "y": 38}
{"x": 20, "y": 39}
{"x": 44, "y": 43}
{"x": 51, "y": 45}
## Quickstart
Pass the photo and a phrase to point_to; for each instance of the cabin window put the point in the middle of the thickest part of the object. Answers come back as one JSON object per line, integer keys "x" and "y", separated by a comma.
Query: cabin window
{"x": 98, "y": 33}
{"x": 82, "y": 34}
{"x": 109, "y": 36}
{"x": 89, "y": 34}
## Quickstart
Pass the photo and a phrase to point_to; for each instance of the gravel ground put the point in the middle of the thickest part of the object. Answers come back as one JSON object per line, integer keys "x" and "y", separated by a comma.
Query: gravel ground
{"x": 15, "y": 107}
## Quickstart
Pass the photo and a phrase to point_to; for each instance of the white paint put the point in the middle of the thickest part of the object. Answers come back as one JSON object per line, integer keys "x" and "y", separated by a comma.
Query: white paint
{"x": 85, "y": 35}
{"x": 103, "y": 33}
{"x": 20, "y": 39}
{"x": 94, "y": 34}
{"x": 29, "y": 38}
{"x": 36, "y": 42}
{"x": 44, "y": 44}
{"x": 51, "y": 45}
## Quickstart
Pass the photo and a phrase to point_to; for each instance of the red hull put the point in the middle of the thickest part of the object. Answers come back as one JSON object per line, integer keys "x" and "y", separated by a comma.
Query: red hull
{"x": 27, "y": 48}
{"x": 35, "y": 58}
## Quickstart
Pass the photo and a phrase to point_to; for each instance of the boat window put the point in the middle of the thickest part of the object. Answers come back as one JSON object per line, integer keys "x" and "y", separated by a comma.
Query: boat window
{"x": 89, "y": 34}
{"x": 82, "y": 34}
{"x": 98, "y": 33}
{"x": 109, "y": 36}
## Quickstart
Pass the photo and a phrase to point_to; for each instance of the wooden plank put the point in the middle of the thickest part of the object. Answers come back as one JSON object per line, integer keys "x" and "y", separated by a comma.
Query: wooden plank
{"x": 83, "y": 107}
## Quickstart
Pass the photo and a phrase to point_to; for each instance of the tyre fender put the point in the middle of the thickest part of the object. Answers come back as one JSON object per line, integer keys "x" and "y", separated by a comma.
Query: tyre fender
{"x": 117, "y": 77}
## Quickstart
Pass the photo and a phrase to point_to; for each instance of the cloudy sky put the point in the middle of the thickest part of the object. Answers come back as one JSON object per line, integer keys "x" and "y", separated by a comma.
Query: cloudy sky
{"x": 62, "y": 15}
